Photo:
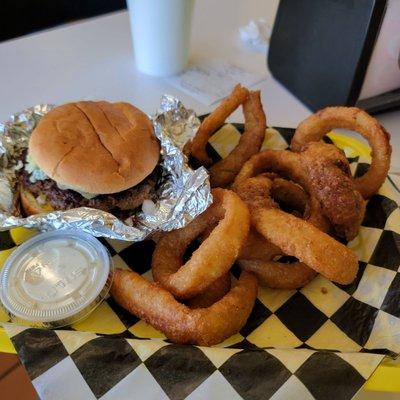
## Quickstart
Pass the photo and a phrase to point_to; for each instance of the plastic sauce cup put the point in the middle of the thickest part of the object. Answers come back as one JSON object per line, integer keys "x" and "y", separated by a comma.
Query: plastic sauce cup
{"x": 55, "y": 279}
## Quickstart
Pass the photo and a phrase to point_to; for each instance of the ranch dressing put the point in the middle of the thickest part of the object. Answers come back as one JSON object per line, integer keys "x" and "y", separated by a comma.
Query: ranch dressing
{"x": 55, "y": 279}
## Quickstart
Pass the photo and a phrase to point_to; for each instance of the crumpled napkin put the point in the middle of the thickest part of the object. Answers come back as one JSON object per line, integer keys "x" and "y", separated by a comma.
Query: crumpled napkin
{"x": 255, "y": 35}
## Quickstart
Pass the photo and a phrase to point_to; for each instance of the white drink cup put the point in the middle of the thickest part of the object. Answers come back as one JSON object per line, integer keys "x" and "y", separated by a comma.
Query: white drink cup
{"x": 161, "y": 34}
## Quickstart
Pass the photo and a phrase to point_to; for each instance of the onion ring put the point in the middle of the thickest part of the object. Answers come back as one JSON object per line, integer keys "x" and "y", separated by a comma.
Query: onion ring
{"x": 323, "y": 171}
{"x": 287, "y": 164}
{"x": 279, "y": 275}
{"x": 212, "y": 259}
{"x": 224, "y": 171}
{"x": 328, "y": 173}
{"x": 291, "y": 195}
{"x": 257, "y": 247}
{"x": 313, "y": 129}
{"x": 197, "y": 147}
{"x": 296, "y": 237}
{"x": 214, "y": 292}
{"x": 258, "y": 253}
{"x": 282, "y": 162}
{"x": 202, "y": 326}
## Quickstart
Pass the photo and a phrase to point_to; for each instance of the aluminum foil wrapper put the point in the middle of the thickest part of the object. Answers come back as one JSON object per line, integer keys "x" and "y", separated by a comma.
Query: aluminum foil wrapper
{"x": 181, "y": 195}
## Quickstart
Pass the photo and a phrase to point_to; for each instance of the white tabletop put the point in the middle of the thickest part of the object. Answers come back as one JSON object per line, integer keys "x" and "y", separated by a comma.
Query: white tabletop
{"x": 93, "y": 59}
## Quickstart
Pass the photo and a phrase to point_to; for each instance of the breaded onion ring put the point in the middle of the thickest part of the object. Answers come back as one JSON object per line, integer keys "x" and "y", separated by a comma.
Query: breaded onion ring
{"x": 258, "y": 253}
{"x": 214, "y": 292}
{"x": 283, "y": 191}
{"x": 296, "y": 237}
{"x": 328, "y": 173}
{"x": 281, "y": 162}
{"x": 323, "y": 171}
{"x": 224, "y": 171}
{"x": 257, "y": 247}
{"x": 278, "y": 275}
{"x": 197, "y": 147}
{"x": 313, "y": 129}
{"x": 202, "y": 326}
{"x": 215, "y": 255}
{"x": 287, "y": 164}
{"x": 291, "y": 195}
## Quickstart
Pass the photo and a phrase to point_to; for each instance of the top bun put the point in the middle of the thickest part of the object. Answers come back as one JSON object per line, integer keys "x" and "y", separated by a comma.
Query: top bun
{"x": 95, "y": 147}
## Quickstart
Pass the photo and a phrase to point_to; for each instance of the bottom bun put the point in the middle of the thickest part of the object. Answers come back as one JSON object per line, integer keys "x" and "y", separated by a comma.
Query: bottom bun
{"x": 30, "y": 204}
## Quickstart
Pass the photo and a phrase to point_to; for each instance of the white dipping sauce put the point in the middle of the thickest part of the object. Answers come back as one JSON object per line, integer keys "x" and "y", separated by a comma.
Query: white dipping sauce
{"x": 55, "y": 278}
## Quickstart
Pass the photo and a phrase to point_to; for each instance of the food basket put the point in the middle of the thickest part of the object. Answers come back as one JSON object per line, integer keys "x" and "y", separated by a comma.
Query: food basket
{"x": 313, "y": 343}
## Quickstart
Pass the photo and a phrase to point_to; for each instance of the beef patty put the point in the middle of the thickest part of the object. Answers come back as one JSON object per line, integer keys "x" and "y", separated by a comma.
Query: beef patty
{"x": 120, "y": 204}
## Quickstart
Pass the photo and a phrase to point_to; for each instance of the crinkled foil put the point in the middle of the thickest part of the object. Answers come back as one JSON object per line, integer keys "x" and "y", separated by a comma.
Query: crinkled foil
{"x": 181, "y": 195}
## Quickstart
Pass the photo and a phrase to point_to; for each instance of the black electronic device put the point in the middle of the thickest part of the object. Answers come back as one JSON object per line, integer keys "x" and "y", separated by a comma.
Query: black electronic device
{"x": 338, "y": 52}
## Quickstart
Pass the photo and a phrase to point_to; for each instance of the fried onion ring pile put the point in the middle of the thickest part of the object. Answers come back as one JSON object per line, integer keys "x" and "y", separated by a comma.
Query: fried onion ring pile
{"x": 313, "y": 129}
{"x": 275, "y": 223}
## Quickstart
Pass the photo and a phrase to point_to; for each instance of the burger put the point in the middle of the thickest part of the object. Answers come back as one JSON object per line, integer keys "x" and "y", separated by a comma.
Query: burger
{"x": 90, "y": 154}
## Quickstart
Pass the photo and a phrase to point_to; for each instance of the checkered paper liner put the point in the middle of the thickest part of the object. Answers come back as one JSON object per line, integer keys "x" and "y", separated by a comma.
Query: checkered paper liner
{"x": 340, "y": 333}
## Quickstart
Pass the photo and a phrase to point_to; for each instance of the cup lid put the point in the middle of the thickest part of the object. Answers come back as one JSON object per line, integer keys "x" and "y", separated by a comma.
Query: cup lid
{"x": 55, "y": 278}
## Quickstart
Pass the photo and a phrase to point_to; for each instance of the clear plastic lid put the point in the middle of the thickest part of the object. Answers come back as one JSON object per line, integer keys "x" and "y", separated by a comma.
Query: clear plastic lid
{"x": 55, "y": 279}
